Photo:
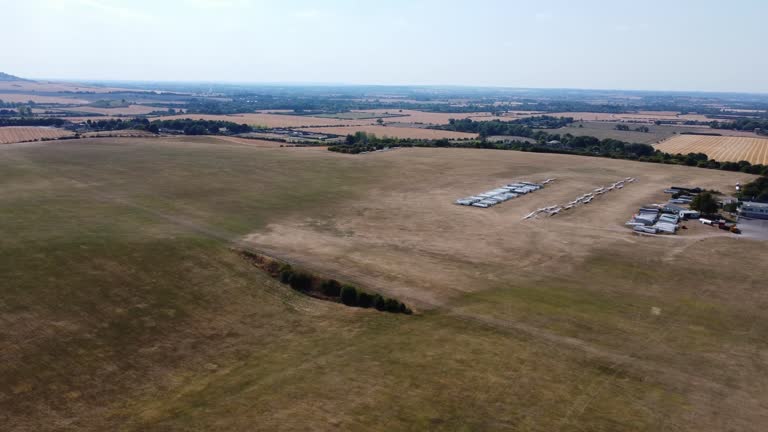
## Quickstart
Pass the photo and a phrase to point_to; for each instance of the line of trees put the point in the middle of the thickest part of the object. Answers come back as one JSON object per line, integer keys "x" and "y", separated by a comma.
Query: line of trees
{"x": 180, "y": 126}
{"x": 4, "y": 104}
{"x": 326, "y": 289}
{"x": 32, "y": 121}
{"x": 756, "y": 190}
{"x": 554, "y": 143}
{"x": 349, "y": 295}
{"x": 626, "y": 128}
{"x": 185, "y": 126}
{"x": 758, "y": 125}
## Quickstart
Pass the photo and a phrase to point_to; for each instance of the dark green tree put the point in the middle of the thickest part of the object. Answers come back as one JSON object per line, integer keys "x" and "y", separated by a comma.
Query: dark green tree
{"x": 331, "y": 288}
{"x": 349, "y": 295}
{"x": 301, "y": 281}
{"x": 705, "y": 203}
{"x": 364, "y": 300}
{"x": 379, "y": 302}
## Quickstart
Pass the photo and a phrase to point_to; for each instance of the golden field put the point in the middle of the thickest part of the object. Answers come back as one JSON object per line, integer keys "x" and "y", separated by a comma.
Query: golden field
{"x": 24, "y": 98}
{"x": 121, "y": 111}
{"x": 14, "y": 134}
{"x": 394, "y": 132}
{"x": 274, "y": 120}
{"x": 720, "y": 148}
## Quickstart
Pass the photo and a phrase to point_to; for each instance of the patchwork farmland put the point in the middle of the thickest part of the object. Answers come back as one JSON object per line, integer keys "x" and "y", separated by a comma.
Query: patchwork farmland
{"x": 720, "y": 148}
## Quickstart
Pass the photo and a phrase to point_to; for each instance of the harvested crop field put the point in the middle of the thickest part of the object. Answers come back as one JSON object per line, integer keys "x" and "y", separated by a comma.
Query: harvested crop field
{"x": 24, "y": 98}
{"x": 641, "y": 117}
{"x": 49, "y": 87}
{"x": 77, "y": 119}
{"x": 14, "y": 134}
{"x": 413, "y": 116}
{"x": 394, "y": 132}
{"x": 274, "y": 120}
{"x": 438, "y": 118}
{"x": 720, "y": 148}
{"x": 120, "y": 133}
{"x": 124, "y": 307}
{"x": 122, "y": 111}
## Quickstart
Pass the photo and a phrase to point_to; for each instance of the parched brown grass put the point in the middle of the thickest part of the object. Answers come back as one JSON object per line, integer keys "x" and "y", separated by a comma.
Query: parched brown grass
{"x": 78, "y": 119}
{"x": 24, "y": 98}
{"x": 720, "y": 148}
{"x": 124, "y": 308}
{"x": 642, "y": 116}
{"x": 46, "y": 86}
{"x": 274, "y": 120}
{"x": 394, "y": 132}
{"x": 415, "y": 116}
{"x": 120, "y": 133}
{"x": 123, "y": 111}
{"x": 14, "y": 134}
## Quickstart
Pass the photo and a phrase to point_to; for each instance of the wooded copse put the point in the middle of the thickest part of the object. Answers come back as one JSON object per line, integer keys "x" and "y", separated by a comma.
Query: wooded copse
{"x": 521, "y": 127}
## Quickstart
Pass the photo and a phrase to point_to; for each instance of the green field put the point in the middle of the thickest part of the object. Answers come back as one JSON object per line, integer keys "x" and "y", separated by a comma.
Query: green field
{"x": 603, "y": 130}
{"x": 353, "y": 115}
{"x": 110, "y": 103}
{"x": 123, "y": 306}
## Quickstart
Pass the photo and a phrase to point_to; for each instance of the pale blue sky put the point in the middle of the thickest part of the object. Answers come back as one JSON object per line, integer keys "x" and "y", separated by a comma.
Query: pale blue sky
{"x": 661, "y": 45}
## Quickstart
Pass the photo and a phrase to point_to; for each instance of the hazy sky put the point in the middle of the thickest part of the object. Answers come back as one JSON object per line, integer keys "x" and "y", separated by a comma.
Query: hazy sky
{"x": 618, "y": 44}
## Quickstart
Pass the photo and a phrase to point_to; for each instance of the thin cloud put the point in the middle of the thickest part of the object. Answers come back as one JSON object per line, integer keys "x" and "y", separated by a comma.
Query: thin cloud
{"x": 107, "y": 8}
{"x": 218, "y": 4}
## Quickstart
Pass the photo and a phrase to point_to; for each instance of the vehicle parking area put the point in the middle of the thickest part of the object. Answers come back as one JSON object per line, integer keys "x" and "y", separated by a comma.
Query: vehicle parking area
{"x": 756, "y": 229}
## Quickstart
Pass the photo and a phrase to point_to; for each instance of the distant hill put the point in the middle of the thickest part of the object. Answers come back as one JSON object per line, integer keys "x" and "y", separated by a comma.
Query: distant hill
{"x": 7, "y": 77}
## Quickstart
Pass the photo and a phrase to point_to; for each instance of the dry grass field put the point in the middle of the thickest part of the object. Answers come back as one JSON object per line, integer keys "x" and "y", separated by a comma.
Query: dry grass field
{"x": 122, "y": 111}
{"x": 124, "y": 308}
{"x": 47, "y": 86}
{"x": 275, "y": 120}
{"x": 724, "y": 149}
{"x": 642, "y": 117}
{"x": 120, "y": 133}
{"x": 413, "y": 116}
{"x": 77, "y": 119}
{"x": 24, "y": 98}
{"x": 14, "y": 134}
{"x": 394, "y": 132}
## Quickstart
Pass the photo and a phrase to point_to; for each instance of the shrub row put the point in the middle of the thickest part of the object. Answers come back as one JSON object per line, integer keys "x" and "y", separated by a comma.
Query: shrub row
{"x": 349, "y": 295}
{"x": 326, "y": 289}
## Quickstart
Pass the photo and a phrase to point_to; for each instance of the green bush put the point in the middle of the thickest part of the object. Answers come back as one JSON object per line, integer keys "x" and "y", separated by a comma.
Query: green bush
{"x": 331, "y": 288}
{"x": 364, "y": 300}
{"x": 392, "y": 305}
{"x": 301, "y": 281}
{"x": 379, "y": 302}
{"x": 349, "y": 295}
{"x": 286, "y": 274}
